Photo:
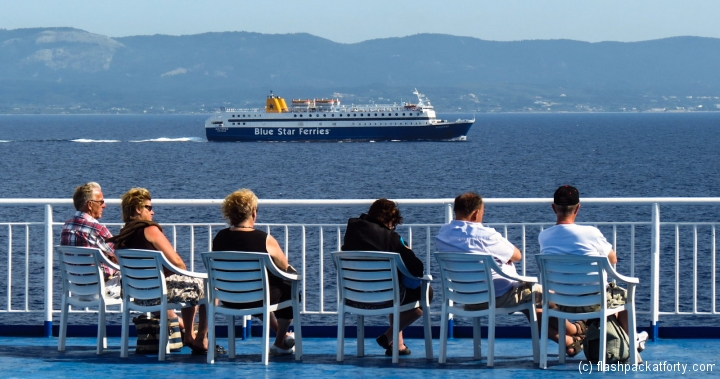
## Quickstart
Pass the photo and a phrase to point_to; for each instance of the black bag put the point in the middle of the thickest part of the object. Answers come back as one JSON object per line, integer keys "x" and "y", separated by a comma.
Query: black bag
{"x": 617, "y": 342}
{"x": 148, "y": 335}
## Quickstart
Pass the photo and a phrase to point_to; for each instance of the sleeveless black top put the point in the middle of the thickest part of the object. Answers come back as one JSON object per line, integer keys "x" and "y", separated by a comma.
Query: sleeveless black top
{"x": 250, "y": 241}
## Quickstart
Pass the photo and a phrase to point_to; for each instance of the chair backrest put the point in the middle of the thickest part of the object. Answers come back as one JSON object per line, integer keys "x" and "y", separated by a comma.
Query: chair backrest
{"x": 367, "y": 276}
{"x": 573, "y": 280}
{"x": 81, "y": 271}
{"x": 237, "y": 276}
{"x": 466, "y": 277}
{"x": 142, "y": 274}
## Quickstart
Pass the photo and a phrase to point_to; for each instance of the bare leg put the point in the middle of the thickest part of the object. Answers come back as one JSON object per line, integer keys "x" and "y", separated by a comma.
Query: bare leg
{"x": 622, "y": 318}
{"x": 406, "y": 318}
{"x": 281, "y": 332}
{"x": 188, "y": 317}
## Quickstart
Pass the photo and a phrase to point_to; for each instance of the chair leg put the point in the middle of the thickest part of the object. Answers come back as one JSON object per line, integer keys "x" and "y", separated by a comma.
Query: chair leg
{"x": 360, "y": 335}
{"x": 63, "y": 325}
{"x": 603, "y": 341}
{"x": 491, "y": 339}
{"x": 562, "y": 348}
{"x": 340, "y": 334}
{"x": 632, "y": 334}
{"x": 428, "y": 334}
{"x": 443, "y": 335}
{"x": 125, "y": 332}
{"x": 210, "y": 309}
{"x": 266, "y": 337}
{"x": 297, "y": 326}
{"x": 534, "y": 334}
{"x": 231, "y": 335}
{"x": 477, "y": 335}
{"x": 101, "y": 337}
{"x": 544, "y": 339}
{"x": 396, "y": 333}
{"x": 163, "y": 342}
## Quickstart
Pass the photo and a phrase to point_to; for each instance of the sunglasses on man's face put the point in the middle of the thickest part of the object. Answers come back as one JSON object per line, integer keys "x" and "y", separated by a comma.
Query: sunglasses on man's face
{"x": 101, "y": 202}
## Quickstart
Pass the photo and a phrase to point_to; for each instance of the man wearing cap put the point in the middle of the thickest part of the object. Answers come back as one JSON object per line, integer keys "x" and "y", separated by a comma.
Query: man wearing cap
{"x": 567, "y": 237}
{"x": 467, "y": 234}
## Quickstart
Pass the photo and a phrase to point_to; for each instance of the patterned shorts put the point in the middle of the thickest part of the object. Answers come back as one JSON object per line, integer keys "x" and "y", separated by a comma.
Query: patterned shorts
{"x": 180, "y": 289}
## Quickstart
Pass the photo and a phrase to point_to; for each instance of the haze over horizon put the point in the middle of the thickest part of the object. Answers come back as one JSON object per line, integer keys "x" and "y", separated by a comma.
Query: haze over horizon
{"x": 509, "y": 20}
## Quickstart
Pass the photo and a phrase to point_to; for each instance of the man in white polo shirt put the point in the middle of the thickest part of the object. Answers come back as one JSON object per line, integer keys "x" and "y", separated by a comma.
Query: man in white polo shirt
{"x": 567, "y": 237}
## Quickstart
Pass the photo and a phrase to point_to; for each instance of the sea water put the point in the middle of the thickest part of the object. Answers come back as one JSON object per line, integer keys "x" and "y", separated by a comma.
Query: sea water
{"x": 505, "y": 156}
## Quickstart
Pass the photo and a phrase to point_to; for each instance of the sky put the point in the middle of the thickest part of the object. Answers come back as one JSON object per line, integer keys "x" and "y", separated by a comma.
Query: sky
{"x": 355, "y": 21}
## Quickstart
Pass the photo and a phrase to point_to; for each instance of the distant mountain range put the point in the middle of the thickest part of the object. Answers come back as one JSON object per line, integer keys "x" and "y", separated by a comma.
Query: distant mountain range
{"x": 66, "y": 70}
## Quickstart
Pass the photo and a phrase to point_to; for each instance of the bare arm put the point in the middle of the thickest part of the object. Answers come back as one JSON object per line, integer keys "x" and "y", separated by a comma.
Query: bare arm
{"x": 517, "y": 255}
{"x": 276, "y": 253}
{"x": 161, "y": 243}
{"x": 612, "y": 257}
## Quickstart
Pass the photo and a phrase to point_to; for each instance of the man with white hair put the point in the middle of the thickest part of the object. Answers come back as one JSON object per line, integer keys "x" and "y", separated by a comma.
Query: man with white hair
{"x": 84, "y": 229}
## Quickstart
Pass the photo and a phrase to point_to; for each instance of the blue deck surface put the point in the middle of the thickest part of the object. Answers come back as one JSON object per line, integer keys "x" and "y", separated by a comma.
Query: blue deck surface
{"x": 37, "y": 357}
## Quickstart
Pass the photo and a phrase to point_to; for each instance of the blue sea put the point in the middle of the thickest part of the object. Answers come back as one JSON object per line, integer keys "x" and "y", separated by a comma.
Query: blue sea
{"x": 505, "y": 156}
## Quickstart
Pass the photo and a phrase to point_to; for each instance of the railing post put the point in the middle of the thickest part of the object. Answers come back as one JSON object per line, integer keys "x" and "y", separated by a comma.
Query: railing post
{"x": 48, "y": 271}
{"x": 655, "y": 272}
{"x": 451, "y": 322}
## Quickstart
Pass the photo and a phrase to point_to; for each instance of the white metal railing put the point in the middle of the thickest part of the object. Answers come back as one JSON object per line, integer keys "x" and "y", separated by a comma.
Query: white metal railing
{"x": 638, "y": 245}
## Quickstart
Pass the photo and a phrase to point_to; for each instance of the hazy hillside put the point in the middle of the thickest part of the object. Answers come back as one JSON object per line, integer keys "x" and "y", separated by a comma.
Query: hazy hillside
{"x": 70, "y": 70}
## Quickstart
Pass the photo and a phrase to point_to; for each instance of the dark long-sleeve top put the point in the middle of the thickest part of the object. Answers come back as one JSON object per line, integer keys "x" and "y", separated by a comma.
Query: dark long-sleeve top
{"x": 367, "y": 234}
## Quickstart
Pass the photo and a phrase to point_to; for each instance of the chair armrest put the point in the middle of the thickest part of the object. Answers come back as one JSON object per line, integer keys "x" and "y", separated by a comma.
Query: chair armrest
{"x": 427, "y": 278}
{"x": 109, "y": 263}
{"x": 279, "y": 273}
{"x": 627, "y": 279}
{"x": 179, "y": 271}
{"x": 499, "y": 271}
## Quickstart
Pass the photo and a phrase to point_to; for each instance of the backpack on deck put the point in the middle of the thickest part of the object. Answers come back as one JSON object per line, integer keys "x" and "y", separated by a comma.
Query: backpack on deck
{"x": 617, "y": 342}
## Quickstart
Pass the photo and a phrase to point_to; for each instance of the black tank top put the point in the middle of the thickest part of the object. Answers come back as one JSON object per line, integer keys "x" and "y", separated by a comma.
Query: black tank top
{"x": 251, "y": 241}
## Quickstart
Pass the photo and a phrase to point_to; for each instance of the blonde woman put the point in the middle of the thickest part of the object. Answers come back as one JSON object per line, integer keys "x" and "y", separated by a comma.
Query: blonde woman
{"x": 141, "y": 232}
{"x": 240, "y": 209}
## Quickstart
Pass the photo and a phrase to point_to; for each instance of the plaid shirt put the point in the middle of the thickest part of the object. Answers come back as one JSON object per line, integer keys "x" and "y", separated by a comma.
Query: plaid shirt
{"x": 85, "y": 230}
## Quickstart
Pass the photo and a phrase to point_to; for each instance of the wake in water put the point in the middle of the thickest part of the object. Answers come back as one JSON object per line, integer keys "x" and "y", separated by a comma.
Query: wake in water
{"x": 85, "y": 140}
{"x": 165, "y": 139}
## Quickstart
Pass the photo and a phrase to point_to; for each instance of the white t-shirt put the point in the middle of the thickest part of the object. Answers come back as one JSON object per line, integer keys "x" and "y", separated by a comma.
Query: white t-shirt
{"x": 473, "y": 237}
{"x": 574, "y": 239}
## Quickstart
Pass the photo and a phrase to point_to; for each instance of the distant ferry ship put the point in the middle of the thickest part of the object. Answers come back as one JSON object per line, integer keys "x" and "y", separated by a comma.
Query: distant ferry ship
{"x": 327, "y": 120}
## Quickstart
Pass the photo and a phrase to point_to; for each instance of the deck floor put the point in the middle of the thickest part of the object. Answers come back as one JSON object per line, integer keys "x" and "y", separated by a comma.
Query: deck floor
{"x": 35, "y": 357}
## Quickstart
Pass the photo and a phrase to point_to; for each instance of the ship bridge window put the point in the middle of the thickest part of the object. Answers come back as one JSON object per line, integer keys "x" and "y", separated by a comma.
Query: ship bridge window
{"x": 361, "y": 114}
{"x": 324, "y": 115}
{"x": 300, "y": 115}
{"x": 396, "y": 114}
{"x": 355, "y": 115}
{"x": 383, "y": 114}
{"x": 295, "y": 115}
{"x": 375, "y": 114}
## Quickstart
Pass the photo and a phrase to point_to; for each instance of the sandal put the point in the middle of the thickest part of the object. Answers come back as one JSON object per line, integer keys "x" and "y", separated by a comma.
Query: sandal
{"x": 219, "y": 350}
{"x": 405, "y": 351}
{"x": 576, "y": 346}
{"x": 581, "y": 327}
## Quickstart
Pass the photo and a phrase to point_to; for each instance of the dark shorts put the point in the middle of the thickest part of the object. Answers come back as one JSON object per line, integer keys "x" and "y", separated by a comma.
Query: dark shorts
{"x": 279, "y": 292}
{"x": 616, "y": 296}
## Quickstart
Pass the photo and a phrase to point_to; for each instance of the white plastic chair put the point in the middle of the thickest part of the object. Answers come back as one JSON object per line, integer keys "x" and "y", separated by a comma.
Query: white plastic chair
{"x": 575, "y": 281}
{"x": 467, "y": 279}
{"x": 373, "y": 277}
{"x": 143, "y": 279}
{"x": 242, "y": 277}
{"x": 82, "y": 276}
